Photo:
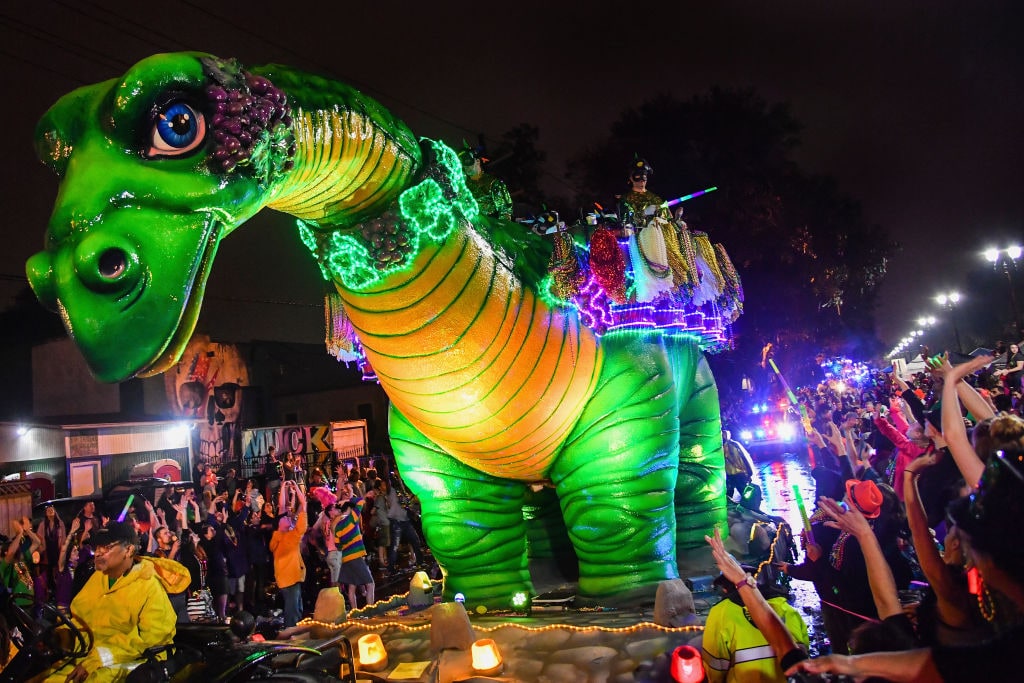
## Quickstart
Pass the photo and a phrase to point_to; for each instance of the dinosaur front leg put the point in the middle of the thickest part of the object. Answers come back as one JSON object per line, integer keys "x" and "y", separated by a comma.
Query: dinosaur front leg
{"x": 700, "y": 497}
{"x": 617, "y": 475}
{"x": 473, "y": 521}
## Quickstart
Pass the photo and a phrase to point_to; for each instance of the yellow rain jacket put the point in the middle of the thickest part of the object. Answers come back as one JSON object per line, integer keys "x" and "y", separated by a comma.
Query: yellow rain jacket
{"x": 127, "y": 618}
{"x": 734, "y": 650}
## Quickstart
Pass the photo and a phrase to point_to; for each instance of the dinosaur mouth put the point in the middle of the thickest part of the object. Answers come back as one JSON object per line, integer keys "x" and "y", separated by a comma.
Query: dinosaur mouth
{"x": 133, "y": 296}
{"x": 182, "y": 333}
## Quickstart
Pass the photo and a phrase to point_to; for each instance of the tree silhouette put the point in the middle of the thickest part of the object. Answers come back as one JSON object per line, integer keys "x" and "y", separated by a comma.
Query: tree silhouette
{"x": 810, "y": 262}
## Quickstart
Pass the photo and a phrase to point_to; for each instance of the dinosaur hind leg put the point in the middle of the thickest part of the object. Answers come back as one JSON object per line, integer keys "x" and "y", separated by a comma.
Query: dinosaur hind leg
{"x": 473, "y": 522}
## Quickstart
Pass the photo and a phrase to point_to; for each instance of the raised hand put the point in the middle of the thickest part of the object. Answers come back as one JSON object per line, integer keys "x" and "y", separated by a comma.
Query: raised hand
{"x": 848, "y": 518}
{"x": 921, "y": 463}
{"x": 958, "y": 372}
{"x": 726, "y": 563}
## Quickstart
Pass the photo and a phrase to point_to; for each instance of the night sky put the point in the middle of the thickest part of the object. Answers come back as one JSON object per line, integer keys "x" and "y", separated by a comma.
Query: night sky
{"x": 915, "y": 108}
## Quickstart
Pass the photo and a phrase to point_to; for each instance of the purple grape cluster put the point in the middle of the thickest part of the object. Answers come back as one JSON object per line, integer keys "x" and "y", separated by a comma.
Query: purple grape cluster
{"x": 239, "y": 117}
{"x": 387, "y": 240}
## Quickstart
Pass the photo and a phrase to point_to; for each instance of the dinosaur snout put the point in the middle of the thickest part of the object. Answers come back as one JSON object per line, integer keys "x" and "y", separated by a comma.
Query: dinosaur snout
{"x": 39, "y": 270}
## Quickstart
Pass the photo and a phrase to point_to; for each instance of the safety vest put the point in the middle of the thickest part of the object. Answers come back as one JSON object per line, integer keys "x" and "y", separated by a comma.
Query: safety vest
{"x": 735, "y": 650}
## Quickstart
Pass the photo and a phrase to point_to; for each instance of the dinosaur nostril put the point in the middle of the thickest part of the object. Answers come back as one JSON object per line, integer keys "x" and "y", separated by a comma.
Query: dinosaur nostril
{"x": 112, "y": 264}
{"x": 107, "y": 263}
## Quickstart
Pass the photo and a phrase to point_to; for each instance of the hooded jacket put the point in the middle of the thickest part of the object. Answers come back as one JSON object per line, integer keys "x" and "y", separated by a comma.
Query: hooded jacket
{"x": 126, "y": 618}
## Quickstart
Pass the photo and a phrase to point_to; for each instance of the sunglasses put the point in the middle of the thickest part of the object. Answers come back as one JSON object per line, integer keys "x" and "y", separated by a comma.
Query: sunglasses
{"x": 104, "y": 549}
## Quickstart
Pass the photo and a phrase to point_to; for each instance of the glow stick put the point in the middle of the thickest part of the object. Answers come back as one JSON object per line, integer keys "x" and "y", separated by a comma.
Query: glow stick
{"x": 803, "y": 513}
{"x": 785, "y": 384}
{"x": 127, "y": 506}
{"x": 805, "y": 419}
{"x": 679, "y": 200}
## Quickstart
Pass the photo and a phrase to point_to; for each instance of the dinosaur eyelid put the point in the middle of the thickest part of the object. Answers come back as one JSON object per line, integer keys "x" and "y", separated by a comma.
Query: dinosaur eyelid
{"x": 177, "y": 130}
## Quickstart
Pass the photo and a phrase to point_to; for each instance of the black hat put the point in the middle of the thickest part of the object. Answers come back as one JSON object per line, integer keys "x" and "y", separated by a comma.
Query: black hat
{"x": 934, "y": 417}
{"x": 115, "y": 532}
{"x": 640, "y": 167}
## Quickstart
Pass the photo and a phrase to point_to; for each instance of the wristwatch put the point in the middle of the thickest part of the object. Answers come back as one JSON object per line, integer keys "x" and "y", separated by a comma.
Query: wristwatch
{"x": 747, "y": 580}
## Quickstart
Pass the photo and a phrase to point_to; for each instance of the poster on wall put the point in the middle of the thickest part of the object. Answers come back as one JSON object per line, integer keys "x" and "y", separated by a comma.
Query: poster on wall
{"x": 205, "y": 388}
{"x": 311, "y": 443}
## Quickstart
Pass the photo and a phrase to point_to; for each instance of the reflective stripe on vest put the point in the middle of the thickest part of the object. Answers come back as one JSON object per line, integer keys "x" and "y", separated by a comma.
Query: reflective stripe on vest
{"x": 752, "y": 654}
{"x": 715, "y": 663}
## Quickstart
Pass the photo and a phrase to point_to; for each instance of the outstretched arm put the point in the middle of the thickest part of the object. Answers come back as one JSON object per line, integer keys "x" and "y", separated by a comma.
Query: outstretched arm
{"x": 909, "y": 666}
{"x": 974, "y": 402}
{"x": 953, "y": 429}
{"x": 35, "y": 542}
{"x": 764, "y": 617}
{"x": 282, "y": 498}
{"x": 300, "y": 496}
{"x": 946, "y": 592}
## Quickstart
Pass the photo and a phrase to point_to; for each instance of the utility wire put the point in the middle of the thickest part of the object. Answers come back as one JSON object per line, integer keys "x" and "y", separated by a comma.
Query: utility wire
{"x": 42, "y": 67}
{"x": 172, "y": 43}
{"x": 65, "y": 44}
{"x": 148, "y": 31}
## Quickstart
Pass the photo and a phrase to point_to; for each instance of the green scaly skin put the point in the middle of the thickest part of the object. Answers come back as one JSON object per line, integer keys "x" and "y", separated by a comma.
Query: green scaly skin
{"x": 129, "y": 248}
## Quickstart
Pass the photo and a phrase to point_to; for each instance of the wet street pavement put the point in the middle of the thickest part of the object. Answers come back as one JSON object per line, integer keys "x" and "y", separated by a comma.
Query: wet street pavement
{"x": 779, "y": 472}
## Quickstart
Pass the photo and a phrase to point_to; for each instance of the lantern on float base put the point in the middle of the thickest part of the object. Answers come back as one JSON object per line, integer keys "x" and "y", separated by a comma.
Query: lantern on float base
{"x": 486, "y": 657}
{"x": 372, "y": 654}
{"x": 421, "y": 591}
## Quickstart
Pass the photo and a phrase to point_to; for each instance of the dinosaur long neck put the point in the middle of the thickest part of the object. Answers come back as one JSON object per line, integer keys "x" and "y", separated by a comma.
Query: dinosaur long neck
{"x": 352, "y": 156}
{"x": 475, "y": 361}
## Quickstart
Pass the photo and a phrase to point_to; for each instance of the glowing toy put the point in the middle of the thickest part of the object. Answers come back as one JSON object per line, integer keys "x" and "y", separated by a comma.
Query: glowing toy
{"x": 493, "y": 385}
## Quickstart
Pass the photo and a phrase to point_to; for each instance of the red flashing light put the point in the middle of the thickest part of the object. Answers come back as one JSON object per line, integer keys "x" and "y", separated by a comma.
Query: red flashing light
{"x": 687, "y": 666}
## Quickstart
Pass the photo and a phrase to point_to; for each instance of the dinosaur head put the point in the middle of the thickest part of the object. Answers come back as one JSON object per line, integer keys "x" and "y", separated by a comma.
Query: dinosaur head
{"x": 155, "y": 167}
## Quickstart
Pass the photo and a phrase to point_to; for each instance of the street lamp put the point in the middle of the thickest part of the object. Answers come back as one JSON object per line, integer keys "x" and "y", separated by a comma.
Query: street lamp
{"x": 1013, "y": 253}
{"x": 950, "y": 300}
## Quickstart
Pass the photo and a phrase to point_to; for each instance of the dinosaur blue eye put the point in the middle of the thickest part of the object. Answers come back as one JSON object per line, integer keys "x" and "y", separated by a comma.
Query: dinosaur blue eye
{"x": 178, "y": 129}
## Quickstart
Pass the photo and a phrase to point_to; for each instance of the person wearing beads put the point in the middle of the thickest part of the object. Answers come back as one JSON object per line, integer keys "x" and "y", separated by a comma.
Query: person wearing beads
{"x": 948, "y": 614}
{"x": 836, "y": 565}
{"x": 987, "y": 519}
{"x": 987, "y": 522}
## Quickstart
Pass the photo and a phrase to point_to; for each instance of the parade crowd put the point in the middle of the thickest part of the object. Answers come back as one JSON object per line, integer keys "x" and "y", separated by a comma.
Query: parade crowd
{"x": 919, "y": 483}
{"x": 244, "y": 542}
{"x": 910, "y": 546}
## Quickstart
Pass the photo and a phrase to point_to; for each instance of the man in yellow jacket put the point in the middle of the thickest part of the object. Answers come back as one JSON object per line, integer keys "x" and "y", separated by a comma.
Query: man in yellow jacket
{"x": 125, "y": 605}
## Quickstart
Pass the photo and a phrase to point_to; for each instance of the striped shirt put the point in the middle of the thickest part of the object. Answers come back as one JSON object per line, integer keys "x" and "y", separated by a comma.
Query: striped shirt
{"x": 348, "y": 536}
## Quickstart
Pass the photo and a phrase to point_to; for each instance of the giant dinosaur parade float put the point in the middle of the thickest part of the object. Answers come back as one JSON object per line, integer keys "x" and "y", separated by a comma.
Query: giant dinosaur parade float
{"x": 549, "y": 393}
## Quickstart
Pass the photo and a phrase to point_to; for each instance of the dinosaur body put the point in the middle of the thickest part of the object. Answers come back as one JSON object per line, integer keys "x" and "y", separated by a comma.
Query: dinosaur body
{"x": 493, "y": 386}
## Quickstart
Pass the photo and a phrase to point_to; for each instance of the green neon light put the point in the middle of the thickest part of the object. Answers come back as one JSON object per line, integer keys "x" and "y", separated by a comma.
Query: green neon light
{"x": 428, "y": 212}
{"x": 546, "y": 293}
